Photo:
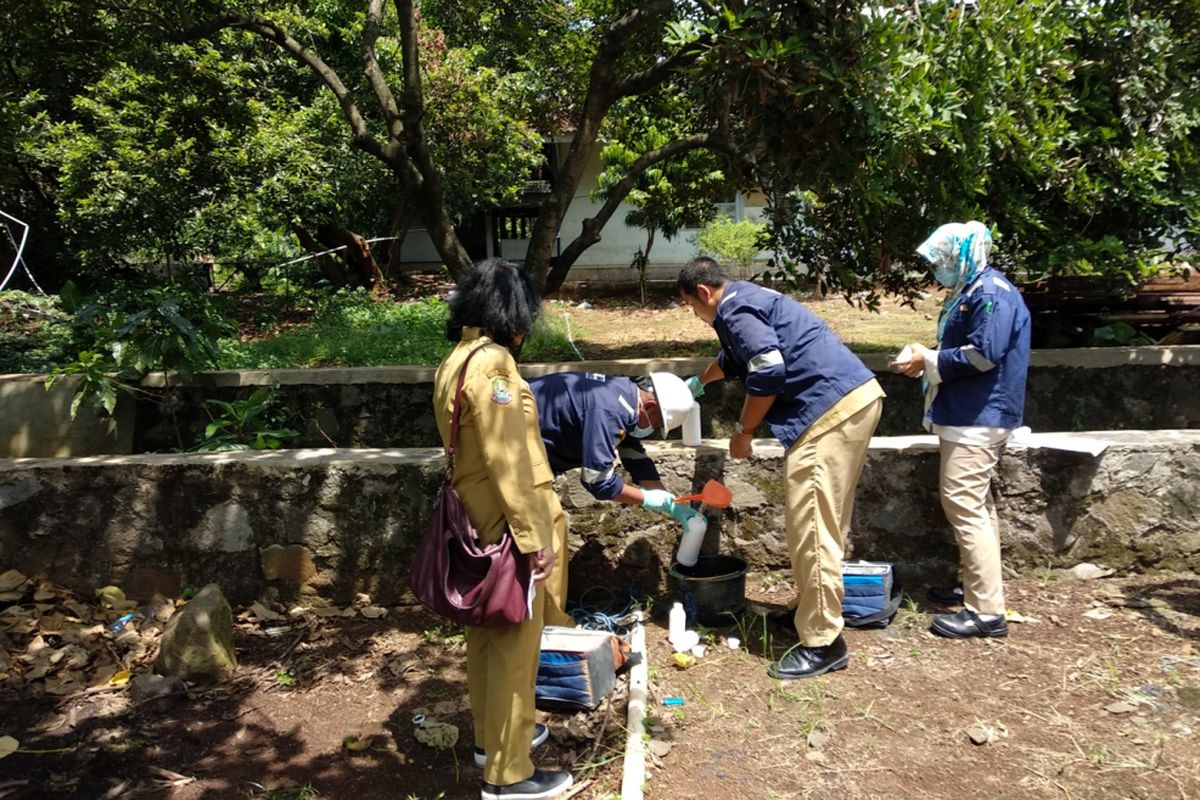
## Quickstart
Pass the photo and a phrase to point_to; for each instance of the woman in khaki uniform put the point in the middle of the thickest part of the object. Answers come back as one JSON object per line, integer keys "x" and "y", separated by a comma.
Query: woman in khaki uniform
{"x": 503, "y": 476}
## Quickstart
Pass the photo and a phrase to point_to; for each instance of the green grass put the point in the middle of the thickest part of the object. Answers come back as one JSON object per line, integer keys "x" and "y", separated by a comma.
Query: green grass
{"x": 35, "y": 334}
{"x": 351, "y": 329}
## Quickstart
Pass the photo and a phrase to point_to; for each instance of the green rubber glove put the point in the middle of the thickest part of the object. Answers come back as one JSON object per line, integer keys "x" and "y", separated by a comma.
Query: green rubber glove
{"x": 695, "y": 386}
{"x": 682, "y": 512}
{"x": 659, "y": 500}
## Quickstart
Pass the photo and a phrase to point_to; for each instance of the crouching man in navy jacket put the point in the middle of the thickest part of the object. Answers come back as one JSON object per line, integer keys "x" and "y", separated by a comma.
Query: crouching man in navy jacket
{"x": 975, "y": 396}
{"x": 822, "y": 404}
{"x": 591, "y": 420}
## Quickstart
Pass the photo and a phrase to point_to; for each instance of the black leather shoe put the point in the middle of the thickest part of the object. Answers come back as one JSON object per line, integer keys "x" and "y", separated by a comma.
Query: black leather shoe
{"x": 946, "y": 595}
{"x": 540, "y": 734}
{"x": 541, "y": 785}
{"x": 966, "y": 624}
{"x": 808, "y": 662}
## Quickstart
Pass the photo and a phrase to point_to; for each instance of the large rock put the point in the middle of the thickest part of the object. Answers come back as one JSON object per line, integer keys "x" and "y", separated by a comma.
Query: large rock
{"x": 197, "y": 644}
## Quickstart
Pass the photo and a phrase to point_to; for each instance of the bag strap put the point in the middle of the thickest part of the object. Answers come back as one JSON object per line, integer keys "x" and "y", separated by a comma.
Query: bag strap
{"x": 454, "y": 417}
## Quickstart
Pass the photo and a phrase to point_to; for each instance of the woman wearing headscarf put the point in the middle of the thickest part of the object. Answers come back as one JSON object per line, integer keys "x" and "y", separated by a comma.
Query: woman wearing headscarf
{"x": 503, "y": 476}
{"x": 974, "y": 397}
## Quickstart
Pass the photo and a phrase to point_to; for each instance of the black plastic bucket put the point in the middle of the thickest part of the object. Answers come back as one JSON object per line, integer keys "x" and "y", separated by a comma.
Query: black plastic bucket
{"x": 712, "y": 590}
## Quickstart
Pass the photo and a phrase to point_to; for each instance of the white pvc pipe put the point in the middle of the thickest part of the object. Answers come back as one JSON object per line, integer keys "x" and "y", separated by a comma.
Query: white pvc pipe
{"x": 20, "y": 249}
{"x": 635, "y": 749}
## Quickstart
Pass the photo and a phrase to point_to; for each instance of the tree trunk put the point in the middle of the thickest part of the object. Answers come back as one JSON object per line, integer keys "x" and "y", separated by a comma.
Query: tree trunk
{"x": 356, "y": 253}
{"x": 401, "y": 222}
{"x": 330, "y": 268}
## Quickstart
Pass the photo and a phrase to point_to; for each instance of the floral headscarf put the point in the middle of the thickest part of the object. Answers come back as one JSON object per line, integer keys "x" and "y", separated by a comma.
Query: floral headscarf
{"x": 958, "y": 252}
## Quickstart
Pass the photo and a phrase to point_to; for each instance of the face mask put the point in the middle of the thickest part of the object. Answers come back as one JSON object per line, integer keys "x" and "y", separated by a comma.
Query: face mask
{"x": 641, "y": 433}
{"x": 946, "y": 276}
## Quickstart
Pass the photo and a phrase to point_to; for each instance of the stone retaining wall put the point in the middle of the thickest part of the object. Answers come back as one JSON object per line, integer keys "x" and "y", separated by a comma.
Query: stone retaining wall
{"x": 334, "y": 522}
{"x": 1080, "y": 389}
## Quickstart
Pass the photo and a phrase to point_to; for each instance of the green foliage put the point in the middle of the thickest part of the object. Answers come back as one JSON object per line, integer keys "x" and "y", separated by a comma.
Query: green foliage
{"x": 1120, "y": 334}
{"x": 351, "y": 328}
{"x": 35, "y": 334}
{"x": 138, "y": 329}
{"x": 94, "y": 382}
{"x": 250, "y": 424}
{"x": 732, "y": 243}
{"x": 1069, "y": 127}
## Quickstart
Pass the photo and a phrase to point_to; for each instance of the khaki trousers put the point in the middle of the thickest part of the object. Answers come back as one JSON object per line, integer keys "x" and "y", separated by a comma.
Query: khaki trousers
{"x": 502, "y": 665}
{"x": 821, "y": 475}
{"x": 556, "y": 584}
{"x": 965, "y": 483}
{"x": 502, "y": 668}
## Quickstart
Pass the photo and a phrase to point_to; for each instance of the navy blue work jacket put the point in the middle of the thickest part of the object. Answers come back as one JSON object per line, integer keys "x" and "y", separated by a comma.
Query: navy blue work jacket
{"x": 983, "y": 357}
{"x": 776, "y": 346}
{"x": 585, "y": 418}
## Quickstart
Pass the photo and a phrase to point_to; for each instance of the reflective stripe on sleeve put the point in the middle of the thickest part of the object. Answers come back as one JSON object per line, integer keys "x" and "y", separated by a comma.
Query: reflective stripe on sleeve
{"x": 771, "y": 358}
{"x": 597, "y": 476}
{"x": 976, "y": 358}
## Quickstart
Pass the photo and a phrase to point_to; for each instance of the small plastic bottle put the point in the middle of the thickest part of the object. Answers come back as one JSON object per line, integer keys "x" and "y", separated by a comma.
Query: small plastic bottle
{"x": 693, "y": 537}
{"x": 678, "y": 623}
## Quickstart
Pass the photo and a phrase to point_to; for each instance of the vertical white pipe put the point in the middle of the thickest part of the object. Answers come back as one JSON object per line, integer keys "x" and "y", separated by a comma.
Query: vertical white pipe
{"x": 691, "y": 426}
{"x": 634, "y": 769}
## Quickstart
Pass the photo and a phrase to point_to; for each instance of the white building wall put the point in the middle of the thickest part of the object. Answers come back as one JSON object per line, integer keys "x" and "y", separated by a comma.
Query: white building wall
{"x": 609, "y": 259}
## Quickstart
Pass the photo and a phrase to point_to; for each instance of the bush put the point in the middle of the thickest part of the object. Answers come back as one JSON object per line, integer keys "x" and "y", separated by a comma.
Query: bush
{"x": 734, "y": 244}
{"x": 352, "y": 329}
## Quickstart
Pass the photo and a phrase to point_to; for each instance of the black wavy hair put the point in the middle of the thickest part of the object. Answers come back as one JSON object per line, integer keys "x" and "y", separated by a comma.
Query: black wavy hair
{"x": 701, "y": 270}
{"x": 499, "y": 298}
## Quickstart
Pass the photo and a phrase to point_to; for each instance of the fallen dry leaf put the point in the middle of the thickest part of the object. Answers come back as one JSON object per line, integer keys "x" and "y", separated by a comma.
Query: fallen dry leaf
{"x": 11, "y": 580}
{"x": 8, "y": 746}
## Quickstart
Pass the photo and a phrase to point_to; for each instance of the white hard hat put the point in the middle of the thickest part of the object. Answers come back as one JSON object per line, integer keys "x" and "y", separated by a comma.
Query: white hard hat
{"x": 674, "y": 399}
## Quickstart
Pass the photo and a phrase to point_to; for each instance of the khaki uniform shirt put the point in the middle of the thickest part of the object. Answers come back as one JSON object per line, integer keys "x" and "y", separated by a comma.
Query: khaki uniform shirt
{"x": 501, "y": 471}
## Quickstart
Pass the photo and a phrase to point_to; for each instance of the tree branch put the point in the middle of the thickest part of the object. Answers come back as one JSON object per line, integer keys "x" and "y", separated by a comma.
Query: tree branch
{"x": 599, "y": 99}
{"x": 617, "y": 194}
{"x": 270, "y": 31}
{"x": 421, "y": 173}
{"x": 648, "y": 78}
{"x": 383, "y": 92}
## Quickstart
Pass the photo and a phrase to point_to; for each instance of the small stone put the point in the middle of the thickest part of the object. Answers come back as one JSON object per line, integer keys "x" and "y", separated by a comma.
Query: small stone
{"x": 659, "y": 748}
{"x": 1120, "y": 707}
{"x": 163, "y": 689}
{"x": 1098, "y": 614}
{"x": 1087, "y": 571}
{"x": 980, "y": 733}
{"x": 817, "y": 740}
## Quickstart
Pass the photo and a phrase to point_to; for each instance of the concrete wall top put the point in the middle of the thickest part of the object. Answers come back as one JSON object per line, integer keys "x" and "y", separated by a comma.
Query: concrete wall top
{"x": 432, "y": 456}
{"x": 1082, "y": 357}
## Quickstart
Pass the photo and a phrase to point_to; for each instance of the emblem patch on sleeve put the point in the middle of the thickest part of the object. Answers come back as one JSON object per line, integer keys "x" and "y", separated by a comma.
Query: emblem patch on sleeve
{"x": 501, "y": 396}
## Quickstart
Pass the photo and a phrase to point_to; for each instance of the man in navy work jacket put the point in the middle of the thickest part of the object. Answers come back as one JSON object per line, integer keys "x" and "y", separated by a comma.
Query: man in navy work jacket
{"x": 975, "y": 396}
{"x": 822, "y": 404}
{"x": 591, "y": 420}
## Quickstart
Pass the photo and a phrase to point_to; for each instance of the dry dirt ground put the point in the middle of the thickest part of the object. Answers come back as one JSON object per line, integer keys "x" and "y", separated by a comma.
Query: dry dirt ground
{"x": 1095, "y": 695}
{"x": 616, "y": 326}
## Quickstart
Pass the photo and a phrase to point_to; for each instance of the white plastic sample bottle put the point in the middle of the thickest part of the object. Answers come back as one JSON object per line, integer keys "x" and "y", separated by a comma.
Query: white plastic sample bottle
{"x": 677, "y": 624}
{"x": 693, "y": 537}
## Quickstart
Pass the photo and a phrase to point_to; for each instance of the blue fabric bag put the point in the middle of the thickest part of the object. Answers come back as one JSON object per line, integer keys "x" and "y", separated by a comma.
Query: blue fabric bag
{"x": 576, "y": 669}
{"x": 872, "y": 594}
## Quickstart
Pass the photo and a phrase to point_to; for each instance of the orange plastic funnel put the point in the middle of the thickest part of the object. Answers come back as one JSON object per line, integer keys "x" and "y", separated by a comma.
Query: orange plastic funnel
{"x": 713, "y": 494}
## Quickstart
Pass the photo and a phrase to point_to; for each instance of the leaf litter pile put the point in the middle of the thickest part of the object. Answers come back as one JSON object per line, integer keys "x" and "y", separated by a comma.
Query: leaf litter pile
{"x": 1095, "y": 693}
